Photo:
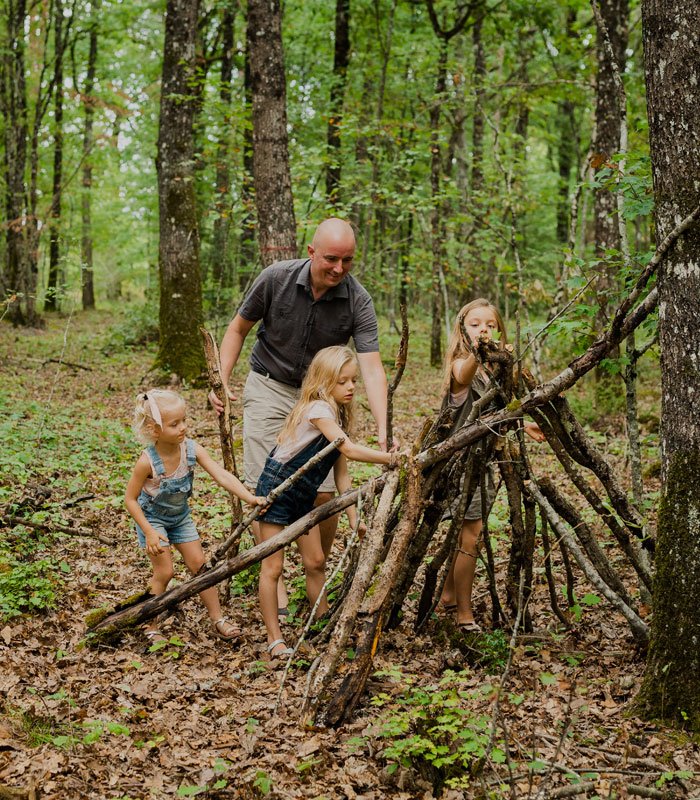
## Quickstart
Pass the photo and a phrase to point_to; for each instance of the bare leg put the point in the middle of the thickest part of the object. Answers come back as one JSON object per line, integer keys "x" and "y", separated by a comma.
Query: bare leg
{"x": 270, "y": 571}
{"x": 314, "y": 561}
{"x": 282, "y": 599}
{"x": 465, "y": 569}
{"x": 162, "y": 575}
{"x": 447, "y": 598}
{"x": 193, "y": 556}
{"x": 327, "y": 528}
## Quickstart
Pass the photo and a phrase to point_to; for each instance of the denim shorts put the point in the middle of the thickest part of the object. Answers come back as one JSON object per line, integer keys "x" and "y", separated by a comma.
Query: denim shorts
{"x": 294, "y": 503}
{"x": 181, "y": 531}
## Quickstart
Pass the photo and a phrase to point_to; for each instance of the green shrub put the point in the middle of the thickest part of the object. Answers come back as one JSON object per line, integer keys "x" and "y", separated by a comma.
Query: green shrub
{"x": 27, "y": 586}
{"x": 438, "y": 731}
{"x": 138, "y": 327}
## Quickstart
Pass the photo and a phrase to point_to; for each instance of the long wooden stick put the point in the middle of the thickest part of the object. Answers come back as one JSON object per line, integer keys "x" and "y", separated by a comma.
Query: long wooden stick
{"x": 232, "y": 540}
{"x": 112, "y": 624}
{"x": 372, "y": 545}
{"x": 211, "y": 353}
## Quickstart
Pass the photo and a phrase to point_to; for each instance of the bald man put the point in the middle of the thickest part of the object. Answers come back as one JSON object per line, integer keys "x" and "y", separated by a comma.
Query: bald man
{"x": 303, "y": 305}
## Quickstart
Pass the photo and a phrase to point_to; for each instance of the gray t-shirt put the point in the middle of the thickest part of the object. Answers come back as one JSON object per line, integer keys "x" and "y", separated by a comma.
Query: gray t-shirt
{"x": 295, "y": 327}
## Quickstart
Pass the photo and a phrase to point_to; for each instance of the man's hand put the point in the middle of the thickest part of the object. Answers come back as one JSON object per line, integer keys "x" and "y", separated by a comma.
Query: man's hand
{"x": 216, "y": 404}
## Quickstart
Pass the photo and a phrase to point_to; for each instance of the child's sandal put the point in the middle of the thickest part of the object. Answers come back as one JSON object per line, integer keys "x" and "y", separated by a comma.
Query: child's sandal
{"x": 226, "y": 630}
{"x": 286, "y": 651}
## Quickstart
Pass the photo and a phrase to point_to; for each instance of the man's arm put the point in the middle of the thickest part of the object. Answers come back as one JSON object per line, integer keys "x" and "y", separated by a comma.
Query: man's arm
{"x": 229, "y": 352}
{"x": 375, "y": 384}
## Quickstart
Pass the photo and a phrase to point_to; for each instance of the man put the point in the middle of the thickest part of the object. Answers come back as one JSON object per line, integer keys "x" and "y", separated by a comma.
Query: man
{"x": 303, "y": 305}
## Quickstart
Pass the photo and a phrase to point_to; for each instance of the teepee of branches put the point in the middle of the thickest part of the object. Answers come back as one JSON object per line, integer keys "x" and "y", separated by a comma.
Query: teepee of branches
{"x": 403, "y": 510}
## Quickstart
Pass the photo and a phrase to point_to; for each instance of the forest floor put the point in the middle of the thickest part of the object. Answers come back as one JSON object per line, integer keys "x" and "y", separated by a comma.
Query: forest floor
{"x": 198, "y": 717}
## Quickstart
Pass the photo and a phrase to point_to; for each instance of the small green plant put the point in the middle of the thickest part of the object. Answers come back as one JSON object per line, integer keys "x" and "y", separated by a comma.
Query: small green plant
{"x": 679, "y": 774}
{"x": 493, "y": 647}
{"x": 437, "y": 732}
{"x": 171, "y": 648}
{"x": 262, "y": 782}
{"x": 27, "y": 586}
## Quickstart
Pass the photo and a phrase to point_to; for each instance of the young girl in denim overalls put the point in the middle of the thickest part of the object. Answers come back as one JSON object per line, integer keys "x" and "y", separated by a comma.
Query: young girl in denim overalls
{"x": 322, "y": 414}
{"x": 158, "y": 492}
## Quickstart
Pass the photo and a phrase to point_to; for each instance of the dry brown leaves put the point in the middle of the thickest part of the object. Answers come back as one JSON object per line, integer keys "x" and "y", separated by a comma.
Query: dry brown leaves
{"x": 125, "y": 723}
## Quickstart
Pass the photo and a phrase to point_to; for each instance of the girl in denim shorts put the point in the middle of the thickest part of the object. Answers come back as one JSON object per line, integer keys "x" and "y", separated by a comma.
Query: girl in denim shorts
{"x": 158, "y": 492}
{"x": 323, "y": 413}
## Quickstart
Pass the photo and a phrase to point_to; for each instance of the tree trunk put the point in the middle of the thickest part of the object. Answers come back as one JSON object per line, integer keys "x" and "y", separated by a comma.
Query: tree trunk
{"x": 180, "y": 348}
{"x": 272, "y": 178}
{"x": 221, "y": 257}
{"x": 52, "y": 287}
{"x": 17, "y": 279}
{"x": 671, "y": 687}
{"x": 88, "y": 286}
{"x": 608, "y": 119}
{"x": 437, "y": 208}
{"x": 341, "y": 59}
{"x": 246, "y": 263}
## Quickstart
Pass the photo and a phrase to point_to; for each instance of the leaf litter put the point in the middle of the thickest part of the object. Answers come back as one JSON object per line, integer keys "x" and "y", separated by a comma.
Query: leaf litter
{"x": 195, "y": 717}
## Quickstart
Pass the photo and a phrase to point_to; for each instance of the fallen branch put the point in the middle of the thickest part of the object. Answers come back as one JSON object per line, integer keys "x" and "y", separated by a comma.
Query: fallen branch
{"x": 54, "y": 527}
{"x": 639, "y": 629}
{"x": 400, "y": 365}
{"x": 107, "y": 625}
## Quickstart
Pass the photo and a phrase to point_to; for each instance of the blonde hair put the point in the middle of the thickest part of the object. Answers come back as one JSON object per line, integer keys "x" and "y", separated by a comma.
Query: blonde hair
{"x": 458, "y": 347}
{"x": 144, "y": 426}
{"x": 318, "y": 384}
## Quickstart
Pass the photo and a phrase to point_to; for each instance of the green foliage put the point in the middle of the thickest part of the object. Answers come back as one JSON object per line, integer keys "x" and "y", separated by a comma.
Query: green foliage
{"x": 437, "y": 730}
{"x": 262, "y": 783}
{"x": 138, "y": 327}
{"x": 27, "y": 586}
{"x": 493, "y": 650}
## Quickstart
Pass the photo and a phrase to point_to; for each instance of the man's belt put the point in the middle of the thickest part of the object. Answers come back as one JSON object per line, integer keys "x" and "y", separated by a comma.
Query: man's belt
{"x": 261, "y": 371}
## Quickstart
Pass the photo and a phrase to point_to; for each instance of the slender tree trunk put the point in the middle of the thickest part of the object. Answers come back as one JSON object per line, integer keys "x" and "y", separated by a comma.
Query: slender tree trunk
{"x": 17, "y": 279}
{"x": 608, "y": 120}
{"x": 246, "y": 265}
{"x": 671, "y": 686}
{"x": 221, "y": 257}
{"x": 272, "y": 178}
{"x": 341, "y": 59}
{"x": 52, "y": 288}
{"x": 88, "y": 286}
{"x": 180, "y": 348}
{"x": 437, "y": 208}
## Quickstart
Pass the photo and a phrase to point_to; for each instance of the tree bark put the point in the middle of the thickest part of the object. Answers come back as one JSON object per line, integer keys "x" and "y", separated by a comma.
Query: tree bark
{"x": 52, "y": 288}
{"x": 17, "y": 279}
{"x": 180, "y": 348}
{"x": 221, "y": 256}
{"x": 671, "y": 686}
{"x": 608, "y": 121}
{"x": 88, "y": 286}
{"x": 341, "y": 59}
{"x": 271, "y": 174}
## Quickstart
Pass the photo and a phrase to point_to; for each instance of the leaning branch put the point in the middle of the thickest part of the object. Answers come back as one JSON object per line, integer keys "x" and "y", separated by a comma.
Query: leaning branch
{"x": 110, "y": 625}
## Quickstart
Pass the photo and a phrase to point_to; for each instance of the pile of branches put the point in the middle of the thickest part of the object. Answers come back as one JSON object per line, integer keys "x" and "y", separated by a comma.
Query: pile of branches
{"x": 404, "y": 510}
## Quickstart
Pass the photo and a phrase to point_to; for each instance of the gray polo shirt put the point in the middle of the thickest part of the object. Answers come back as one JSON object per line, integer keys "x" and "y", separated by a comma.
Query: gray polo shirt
{"x": 295, "y": 327}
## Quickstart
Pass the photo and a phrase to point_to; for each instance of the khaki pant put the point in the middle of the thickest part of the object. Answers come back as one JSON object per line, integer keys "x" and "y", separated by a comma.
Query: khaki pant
{"x": 266, "y": 405}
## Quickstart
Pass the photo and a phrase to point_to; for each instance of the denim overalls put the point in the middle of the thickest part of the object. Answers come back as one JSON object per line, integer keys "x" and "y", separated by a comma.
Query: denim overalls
{"x": 299, "y": 498}
{"x": 168, "y": 511}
